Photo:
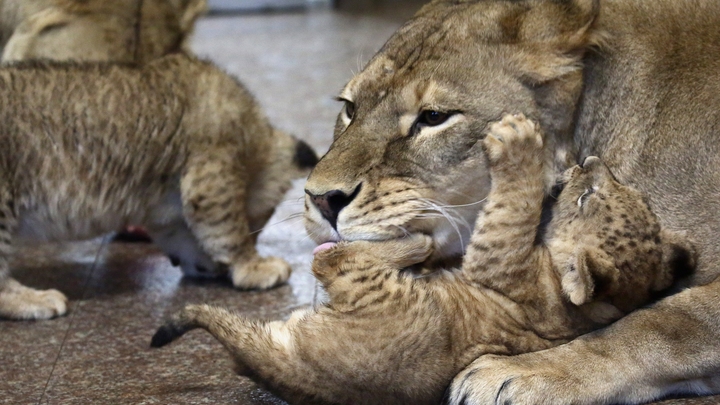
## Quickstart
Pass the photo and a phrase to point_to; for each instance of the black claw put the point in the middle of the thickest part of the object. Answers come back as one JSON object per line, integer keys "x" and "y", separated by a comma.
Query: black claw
{"x": 502, "y": 387}
{"x": 174, "y": 260}
{"x": 164, "y": 335}
{"x": 446, "y": 396}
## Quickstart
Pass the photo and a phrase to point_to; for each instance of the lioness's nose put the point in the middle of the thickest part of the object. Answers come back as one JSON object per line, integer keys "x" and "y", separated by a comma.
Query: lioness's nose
{"x": 331, "y": 203}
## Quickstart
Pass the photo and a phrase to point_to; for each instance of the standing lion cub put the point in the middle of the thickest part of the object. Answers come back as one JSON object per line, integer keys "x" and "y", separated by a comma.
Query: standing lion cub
{"x": 390, "y": 336}
{"x": 177, "y": 146}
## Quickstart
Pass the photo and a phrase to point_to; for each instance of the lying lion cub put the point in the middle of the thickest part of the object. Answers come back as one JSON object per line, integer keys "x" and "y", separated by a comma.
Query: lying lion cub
{"x": 177, "y": 146}
{"x": 389, "y": 337}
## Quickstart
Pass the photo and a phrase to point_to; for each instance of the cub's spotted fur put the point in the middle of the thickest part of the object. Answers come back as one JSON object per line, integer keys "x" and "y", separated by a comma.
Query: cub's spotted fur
{"x": 177, "y": 146}
{"x": 391, "y": 336}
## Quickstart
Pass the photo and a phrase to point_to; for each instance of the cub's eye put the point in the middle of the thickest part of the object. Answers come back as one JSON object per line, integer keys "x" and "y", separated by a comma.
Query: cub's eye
{"x": 349, "y": 109}
{"x": 432, "y": 118}
{"x": 583, "y": 198}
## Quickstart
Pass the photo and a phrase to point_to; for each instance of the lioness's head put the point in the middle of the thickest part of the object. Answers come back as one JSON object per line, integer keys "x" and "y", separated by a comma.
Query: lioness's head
{"x": 405, "y": 156}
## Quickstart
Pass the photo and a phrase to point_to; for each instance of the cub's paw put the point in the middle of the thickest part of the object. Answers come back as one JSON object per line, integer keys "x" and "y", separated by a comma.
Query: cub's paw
{"x": 260, "y": 273}
{"x": 510, "y": 380}
{"x": 513, "y": 138}
{"x": 398, "y": 253}
{"x": 24, "y": 303}
{"x": 404, "y": 252}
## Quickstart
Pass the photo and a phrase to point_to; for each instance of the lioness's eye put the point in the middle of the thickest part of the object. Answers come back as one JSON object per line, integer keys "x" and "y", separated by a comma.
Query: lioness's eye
{"x": 349, "y": 109}
{"x": 432, "y": 118}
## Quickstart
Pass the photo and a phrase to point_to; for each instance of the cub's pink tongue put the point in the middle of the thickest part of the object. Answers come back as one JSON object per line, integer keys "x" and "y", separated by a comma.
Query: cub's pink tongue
{"x": 324, "y": 246}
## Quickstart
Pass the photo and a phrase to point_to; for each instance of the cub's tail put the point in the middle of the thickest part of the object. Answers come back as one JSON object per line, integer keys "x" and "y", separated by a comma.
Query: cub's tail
{"x": 191, "y": 317}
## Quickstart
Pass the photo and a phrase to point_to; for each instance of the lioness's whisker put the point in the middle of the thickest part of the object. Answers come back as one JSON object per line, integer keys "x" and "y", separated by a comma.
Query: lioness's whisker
{"x": 294, "y": 216}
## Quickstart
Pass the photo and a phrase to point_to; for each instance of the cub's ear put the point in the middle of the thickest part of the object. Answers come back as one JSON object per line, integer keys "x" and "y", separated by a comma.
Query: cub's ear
{"x": 590, "y": 273}
{"x": 190, "y": 11}
{"x": 679, "y": 259}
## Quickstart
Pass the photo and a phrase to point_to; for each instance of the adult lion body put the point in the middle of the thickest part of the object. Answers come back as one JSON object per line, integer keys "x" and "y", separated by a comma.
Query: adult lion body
{"x": 636, "y": 83}
{"x": 97, "y": 30}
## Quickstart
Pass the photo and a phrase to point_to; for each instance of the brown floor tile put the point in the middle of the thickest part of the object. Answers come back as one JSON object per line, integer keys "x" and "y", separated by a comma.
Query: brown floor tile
{"x": 106, "y": 357}
{"x": 29, "y": 350}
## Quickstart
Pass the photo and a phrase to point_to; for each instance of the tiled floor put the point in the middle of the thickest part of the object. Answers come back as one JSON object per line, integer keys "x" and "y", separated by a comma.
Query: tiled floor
{"x": 99, "y": 354}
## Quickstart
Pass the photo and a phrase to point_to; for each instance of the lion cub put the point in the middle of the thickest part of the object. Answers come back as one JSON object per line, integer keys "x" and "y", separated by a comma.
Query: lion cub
{"x": 388, "y": 336}
{"x": 177, "y": 146}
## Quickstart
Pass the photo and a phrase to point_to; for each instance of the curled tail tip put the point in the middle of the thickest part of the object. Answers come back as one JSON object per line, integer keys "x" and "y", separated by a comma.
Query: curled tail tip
{"x": 164, "y": 335}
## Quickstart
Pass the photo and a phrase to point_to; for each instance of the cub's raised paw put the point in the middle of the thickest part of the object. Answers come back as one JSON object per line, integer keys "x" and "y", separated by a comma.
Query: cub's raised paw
{"x": 508, "y": 380}
{"x": 260, "y": 273}
{"x": 513, "y": 138}
{"x": 24, "y": 303}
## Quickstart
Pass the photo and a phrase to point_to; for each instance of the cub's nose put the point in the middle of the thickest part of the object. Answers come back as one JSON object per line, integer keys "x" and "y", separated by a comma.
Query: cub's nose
{"x": 331, "y": 203}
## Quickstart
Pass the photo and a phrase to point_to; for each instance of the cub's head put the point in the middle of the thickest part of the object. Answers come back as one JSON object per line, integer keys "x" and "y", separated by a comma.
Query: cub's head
{"x": 608, "y": 246}
{"x": 405, "y": 156}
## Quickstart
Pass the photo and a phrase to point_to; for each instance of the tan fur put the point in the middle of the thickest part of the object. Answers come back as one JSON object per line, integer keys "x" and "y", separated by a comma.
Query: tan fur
{"x": 634, "y": 82}
{"x": 388, "y": 336}
{"x": 96, "y": 30}
{"x": 177, "y": 146}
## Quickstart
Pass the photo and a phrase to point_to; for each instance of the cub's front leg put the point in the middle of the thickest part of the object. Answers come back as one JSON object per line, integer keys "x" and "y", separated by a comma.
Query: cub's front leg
{"x": 214, "y": 192}
{"x": 361, "y": 272}
{"x": 502, "y": 246}
{"x": 16, "y": 300}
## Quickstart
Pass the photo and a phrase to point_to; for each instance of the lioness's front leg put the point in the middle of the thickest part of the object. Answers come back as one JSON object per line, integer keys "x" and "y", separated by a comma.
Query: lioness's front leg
{"x": 16, "y": 300}
{"x": 503, "y": 242}
{"x": 670, "y": 348}
{"x": 214, "y": 193}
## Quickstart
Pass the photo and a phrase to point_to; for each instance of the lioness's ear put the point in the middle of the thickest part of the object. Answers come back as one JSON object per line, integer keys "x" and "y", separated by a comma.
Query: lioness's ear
{"x": 555, "y": 35}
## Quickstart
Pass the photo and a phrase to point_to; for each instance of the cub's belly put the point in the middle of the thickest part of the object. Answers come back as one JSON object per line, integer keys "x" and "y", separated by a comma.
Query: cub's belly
{"x": 68, "y": 218}
{"x": 40, "y": 225}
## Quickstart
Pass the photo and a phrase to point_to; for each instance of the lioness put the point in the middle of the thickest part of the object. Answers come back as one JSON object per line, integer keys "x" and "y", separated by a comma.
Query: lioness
{"x": 97, "y": 30}
{"x": 387, "y": 336}
{"x": 177, "y": 145}
{"x": 634, "y": 82}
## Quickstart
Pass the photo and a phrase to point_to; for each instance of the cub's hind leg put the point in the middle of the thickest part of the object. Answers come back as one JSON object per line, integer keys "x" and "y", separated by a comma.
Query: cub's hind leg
{"x": 214, "y": 194}
{"x": 16, "y": 300}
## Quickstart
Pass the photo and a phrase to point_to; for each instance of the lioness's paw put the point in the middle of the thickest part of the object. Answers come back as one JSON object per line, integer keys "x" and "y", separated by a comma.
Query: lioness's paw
{"x": 24, "y": 303}
{"x": 513, "y": 136}
{"x": 260, "y": 273}
{"x": 507, "y": 380}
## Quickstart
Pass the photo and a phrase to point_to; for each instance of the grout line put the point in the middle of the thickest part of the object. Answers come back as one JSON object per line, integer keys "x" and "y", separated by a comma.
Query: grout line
{"x": 73, "y": 314}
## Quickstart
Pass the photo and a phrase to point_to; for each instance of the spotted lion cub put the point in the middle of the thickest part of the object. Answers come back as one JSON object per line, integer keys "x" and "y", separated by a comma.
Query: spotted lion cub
{"x": 177, "y": 146}
{"x": 388, "y": 336}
